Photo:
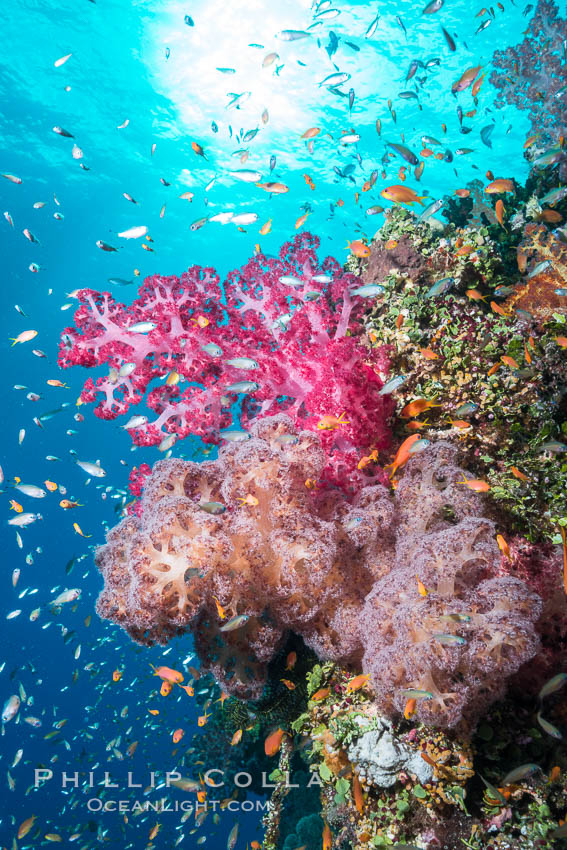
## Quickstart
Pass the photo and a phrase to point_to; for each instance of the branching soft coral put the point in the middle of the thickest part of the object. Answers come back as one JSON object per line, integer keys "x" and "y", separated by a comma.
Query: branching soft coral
{"x": 532, "y": 74}
{"x": 272, "y": 558}
{"x": 279, "y": 333}
{"x": 245, "y": 533}
{"x": 473, "y": 629}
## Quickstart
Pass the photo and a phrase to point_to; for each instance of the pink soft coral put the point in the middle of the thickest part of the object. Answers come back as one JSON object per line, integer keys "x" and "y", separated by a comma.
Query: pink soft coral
{"x": 532, "y": 74}
{"x": 281, "y": 330}
{"x": 340, "y": 573}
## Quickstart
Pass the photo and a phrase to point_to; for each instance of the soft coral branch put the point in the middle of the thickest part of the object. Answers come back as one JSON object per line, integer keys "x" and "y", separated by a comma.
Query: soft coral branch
{"x": 291, "y": 315}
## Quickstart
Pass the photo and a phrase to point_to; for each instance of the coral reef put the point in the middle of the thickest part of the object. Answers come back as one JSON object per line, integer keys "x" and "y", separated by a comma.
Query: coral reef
{"x": 452, "y": 807}
{"x": 240, "y": 576}
{"x": 449, "y": 348}
{"x": 289, "y": 343}
{"x": 532, "y": 75}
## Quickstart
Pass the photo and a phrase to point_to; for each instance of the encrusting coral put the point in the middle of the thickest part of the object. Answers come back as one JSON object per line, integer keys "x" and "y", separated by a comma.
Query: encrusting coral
{"x": 239, "y": 551}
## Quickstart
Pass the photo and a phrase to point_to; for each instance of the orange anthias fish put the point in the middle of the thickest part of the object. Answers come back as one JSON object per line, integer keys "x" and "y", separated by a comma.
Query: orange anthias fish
{"x": 330, "y": 422}
{"x": 477, "y": 84}
{"x": 357, "y": 683}
{"x": 177, "y": 735}
{"x": 198, "y": 149}
{"x": 203, "y": 719}
{"x": 503, "y": 546}
{"x": 414, "y": 408}
{"x": 402, "y": 195}
{"x": 236, "y": 738}
{"x": 517, "y": 474}
{"x": 357, "y": 793}
{"x": 166, "y": 689}
{"x": 421, "y": 588}
{"x": 322, "y": 693}
{"x": 500, "y": 209}
{"x": 291, "y": 660}
{"x": 476, "y": 484}
{"x": 117, "y": 675}
{"x": 409, "y": 709}
{"x": 188, "y": 690}
{"x": 15, "y": 506}
{"x": 327, "y": 837}
{"x": 167, "y": 674}
{"x": 26, "y": 825}
{"x": 509, "y": 361}
{"x": 403, "y": 454}
{"x": 274, "y": 188}
{"x": 220, "y": 610}
{"x": 475, "y": 295}
{"x": 289, "y": 685}
{"x": 500, "y": 185}
{"x": 466, "y": 79}
{"x": 359, "y": 249}
{"x": 273, "y": 742}
{"x": 301, "y": 220}
{"x": 266, "y": 227}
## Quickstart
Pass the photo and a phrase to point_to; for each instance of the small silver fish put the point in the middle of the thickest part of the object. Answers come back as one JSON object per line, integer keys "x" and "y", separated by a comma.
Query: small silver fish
{"x": 553, "y": 446}
{"x": 135, "y": 422}
{"x": 440, "y": 287}
{"x": 392, "y": 385}
{"x": 212, "y": 348}
{"x": 24, "y": 519}
{"x": 520, "y": 773}
{"x": 242, "y": 363}
{"x": 287, "y": 439}
{"x": 450, "y": 640}
{"x": 419, "y": 446}
{"x": 11, "y": 708}
{"x": 141, "y": 327}
{"x": 214, "y": 508}
{"x": 243, "y": 387}
{"x": 541, "y": 267}
{"x": 31, "y": 490}
{"x": 235, "y": 623}
{"x": 289, "y": 280}
{"x": 368, "y": 290}
{"x": 548, "y": 727}
{"x": 292, "y": 35}
{"x": 92, "y": 468}
{"x": 431, "y": 209}
{"x": 553, "y": 685}
{"x": 466, "y": 408}
{"x": 235, "y": 436}
{"x": 416, "y": 693}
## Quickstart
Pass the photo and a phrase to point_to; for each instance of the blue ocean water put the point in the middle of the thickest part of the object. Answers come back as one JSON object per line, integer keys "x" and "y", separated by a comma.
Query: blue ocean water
{"x": 140, "y": 75}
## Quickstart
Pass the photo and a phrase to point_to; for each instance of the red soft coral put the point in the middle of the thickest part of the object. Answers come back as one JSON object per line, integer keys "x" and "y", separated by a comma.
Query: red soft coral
{"x": 281, "y": 330}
